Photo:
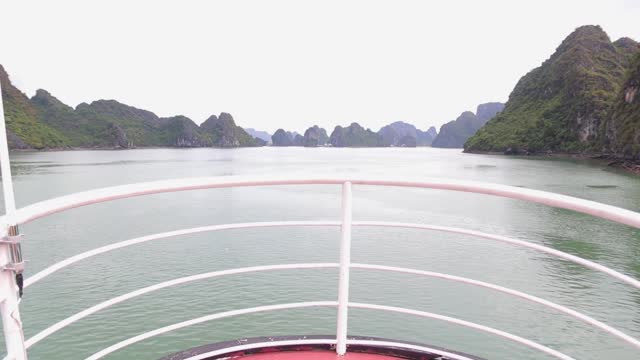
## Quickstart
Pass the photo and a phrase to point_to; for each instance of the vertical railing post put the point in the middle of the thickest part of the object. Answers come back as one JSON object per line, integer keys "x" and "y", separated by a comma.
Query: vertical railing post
{"x": 10, "y": 256}
{"x": 345, "y": 264}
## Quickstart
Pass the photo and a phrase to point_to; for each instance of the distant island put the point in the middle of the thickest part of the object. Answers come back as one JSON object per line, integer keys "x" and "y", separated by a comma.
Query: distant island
{"x": 44, "y": 122}
{"x": 584, "y": 100}
{"x": 397, "y": 134}
{"x": 455, "y": 133}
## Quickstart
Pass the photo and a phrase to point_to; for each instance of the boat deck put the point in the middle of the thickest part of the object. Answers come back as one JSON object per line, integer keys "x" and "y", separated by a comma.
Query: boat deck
{"x": 317, "y": 355}
{"x": 317, "y": 347}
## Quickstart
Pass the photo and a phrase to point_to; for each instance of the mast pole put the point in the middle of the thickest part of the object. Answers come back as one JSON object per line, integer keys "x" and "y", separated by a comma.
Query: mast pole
{"x": 10, "y": 256}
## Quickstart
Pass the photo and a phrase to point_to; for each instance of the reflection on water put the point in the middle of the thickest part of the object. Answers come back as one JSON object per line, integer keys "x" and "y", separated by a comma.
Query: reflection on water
{"x": 41, "y": 176}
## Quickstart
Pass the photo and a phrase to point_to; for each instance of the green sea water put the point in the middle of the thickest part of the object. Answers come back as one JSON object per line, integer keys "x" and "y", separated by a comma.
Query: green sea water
{"x": 43, "y": 175}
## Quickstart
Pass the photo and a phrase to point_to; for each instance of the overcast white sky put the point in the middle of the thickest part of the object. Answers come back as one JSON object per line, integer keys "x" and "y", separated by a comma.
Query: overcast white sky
{"x": 293, "y": 64}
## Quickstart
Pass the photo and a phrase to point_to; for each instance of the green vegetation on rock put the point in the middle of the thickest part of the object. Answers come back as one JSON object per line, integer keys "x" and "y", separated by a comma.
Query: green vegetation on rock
{"x": 354, "y": 135}
{"x": 24, "y": 129}
{"x": 623, "y": 128}
{"x": 315, "y": 136}
{"x": 222, "y": 131}
{"x": 563, "y": 105}
{"x": 454, "y": 133}
{"x": 282, "y": 138}
{"x": 45, "y": 122}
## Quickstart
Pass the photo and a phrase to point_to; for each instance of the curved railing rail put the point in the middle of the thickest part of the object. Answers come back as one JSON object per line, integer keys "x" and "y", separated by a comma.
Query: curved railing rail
{"x": 187, "y": 279}
{"x": 271, "y": 224}
{"x": 48, "y": 207}
{"x": 425, "y": 314}
{"x": 56, "y": 205}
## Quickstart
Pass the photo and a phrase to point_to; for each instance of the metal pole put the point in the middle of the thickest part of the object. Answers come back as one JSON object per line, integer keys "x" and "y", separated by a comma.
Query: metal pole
{"x": 345, "y": 263}
{"x": 9, "y": 310}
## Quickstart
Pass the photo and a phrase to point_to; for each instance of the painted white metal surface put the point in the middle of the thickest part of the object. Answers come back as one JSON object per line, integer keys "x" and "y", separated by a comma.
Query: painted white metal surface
{"x": 44, "y": 208}
{"x": 9, "y": 309}
{"x": 139, "y": 240}
{"x": 469, "y": 324}
{"x": 482, "y": 328}
{"x": 103, "y": 305}
{"x": 447, "y": 229}
{"x": 180, "y": 325}
{"x": 504, "y": 239}
{"x": 187, "y": 279}
{"x": 116, "y": 300}
{"x": 575, "y": 314}
{"x": 48, "y": 207}
{"x": 345, "y": 262}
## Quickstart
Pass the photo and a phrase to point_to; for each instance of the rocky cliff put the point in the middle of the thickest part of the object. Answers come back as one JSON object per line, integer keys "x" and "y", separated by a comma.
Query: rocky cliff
{"x": 140, "y": 127}
{"x": 315, "y": 136}
{"x": 487, "y": 111}
{"x": 405, "y": 135}
{"x": 354, "y": 135}
{"x": 45, "y": 122}
{"x": 259, "y": 134}
{"x": 398, "y": 134}
{"x": 425, "y": 138}
{"x": 565, "y": 104}
{"x": 298, "y": 140}
{"x": 180, "y": 131}
{"x": 223, "y": 132}
{"x": 455, "y": 133}
{"x": 623, "y": 126}
{"x": 282, "y": 138}
{"x": 24, "y": 129}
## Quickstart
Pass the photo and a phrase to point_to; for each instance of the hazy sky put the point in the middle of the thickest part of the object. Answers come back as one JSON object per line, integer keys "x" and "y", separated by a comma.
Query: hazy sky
{"x": 293, "y": 64}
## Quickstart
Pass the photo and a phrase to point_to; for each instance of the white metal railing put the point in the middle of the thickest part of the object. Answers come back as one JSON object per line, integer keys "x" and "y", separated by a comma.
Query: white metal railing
{"x": 175, "y": 282}
{"x": 72, "y": 319}
{"x": 270, "y": 224}
{"x": 10, "y": 254}
{"x": 487, "y": 329}
{"x": 48, "y": 207}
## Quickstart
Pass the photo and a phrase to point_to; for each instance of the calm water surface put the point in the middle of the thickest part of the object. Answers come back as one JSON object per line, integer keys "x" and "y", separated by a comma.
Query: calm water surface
{"x": 39, "y": 176}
